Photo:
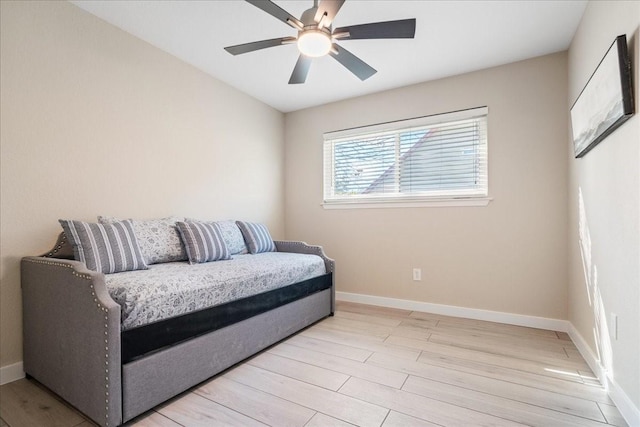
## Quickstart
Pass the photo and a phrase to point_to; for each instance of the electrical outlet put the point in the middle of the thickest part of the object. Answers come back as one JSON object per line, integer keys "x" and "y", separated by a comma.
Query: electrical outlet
{"x": 417, "y": 274}
{"x": 614, "y": 326}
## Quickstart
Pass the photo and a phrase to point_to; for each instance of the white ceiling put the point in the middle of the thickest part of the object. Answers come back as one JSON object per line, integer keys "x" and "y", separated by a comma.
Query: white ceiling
{"x": 452, "y": 37}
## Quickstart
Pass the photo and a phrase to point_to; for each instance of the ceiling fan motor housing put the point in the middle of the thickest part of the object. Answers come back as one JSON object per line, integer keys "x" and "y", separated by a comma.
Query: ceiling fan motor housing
{"x": 308, "y": 18}
{"x": 309, "y": 22}
{"x": 314, "y": 39}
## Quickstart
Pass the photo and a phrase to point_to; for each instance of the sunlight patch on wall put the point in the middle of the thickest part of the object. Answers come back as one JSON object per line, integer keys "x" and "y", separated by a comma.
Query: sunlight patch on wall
{"x": 601, "y": 333}
{"x": 585, "y": 244}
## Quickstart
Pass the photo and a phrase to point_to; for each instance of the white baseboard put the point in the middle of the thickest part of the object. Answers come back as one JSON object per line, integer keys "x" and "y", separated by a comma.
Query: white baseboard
{"x": 625, "y": 405}
{"x": 587, "y": 354}
{"x": 11, "y": 373}
{"x": 627, "y": 409}
{"x": 450, "y": 310}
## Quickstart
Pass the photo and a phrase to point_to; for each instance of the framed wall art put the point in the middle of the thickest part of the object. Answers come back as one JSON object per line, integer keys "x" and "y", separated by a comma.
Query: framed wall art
{"x": 606, "y": 101}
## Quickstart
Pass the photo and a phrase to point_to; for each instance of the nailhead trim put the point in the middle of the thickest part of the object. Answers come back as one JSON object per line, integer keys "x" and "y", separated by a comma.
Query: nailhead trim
{"x": 59, "y": 246}
{"x": 100, "y": 307}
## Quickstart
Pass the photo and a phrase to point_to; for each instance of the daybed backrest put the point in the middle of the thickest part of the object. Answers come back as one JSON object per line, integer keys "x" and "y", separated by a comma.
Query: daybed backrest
{"x": 62, "y": 249}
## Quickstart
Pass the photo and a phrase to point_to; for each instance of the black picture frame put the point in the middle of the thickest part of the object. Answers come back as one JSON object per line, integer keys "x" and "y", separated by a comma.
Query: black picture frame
{"x": 606, "y": 101}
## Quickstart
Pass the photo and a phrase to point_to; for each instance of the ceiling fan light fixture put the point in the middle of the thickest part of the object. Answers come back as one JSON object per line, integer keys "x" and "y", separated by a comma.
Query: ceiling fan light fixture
{"x": 314, "y": 43}
{"x": 316, "y": 36}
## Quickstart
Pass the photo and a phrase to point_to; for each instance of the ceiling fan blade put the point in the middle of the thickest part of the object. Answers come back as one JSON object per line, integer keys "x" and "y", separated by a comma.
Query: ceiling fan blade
{"x": 329, "y": 8}
{"x": 262, "y": 44}
{"x": 277, "y": 12}
{"x": 352, "y": 63}
{"x": 301, "y": 70}
{"x": 403, "y": 29}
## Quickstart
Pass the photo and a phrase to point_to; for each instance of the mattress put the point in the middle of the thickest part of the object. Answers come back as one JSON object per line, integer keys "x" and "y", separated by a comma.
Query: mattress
{"x": 168, "y": 290}
{"x": 145, "y": 340}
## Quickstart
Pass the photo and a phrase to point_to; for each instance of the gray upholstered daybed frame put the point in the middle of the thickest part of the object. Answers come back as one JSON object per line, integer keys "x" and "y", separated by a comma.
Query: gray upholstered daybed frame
{"x": 72, "y": 339}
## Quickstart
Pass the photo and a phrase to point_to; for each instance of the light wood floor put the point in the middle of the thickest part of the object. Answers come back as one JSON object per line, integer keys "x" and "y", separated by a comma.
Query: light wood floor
{"x": 371, "y": 366}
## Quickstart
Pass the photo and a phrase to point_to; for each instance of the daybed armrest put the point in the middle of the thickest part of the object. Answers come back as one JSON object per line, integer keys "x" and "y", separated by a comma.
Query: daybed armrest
{"x": 72, "y": 335}
{"x": 304, "y": 248}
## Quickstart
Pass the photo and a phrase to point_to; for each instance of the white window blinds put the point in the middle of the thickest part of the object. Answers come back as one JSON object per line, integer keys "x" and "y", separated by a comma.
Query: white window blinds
{"x": 434, "y": 157}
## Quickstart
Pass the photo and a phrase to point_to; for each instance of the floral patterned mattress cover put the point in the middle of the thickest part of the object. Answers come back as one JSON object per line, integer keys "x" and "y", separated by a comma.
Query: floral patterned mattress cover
{"x": 171, "y": 289}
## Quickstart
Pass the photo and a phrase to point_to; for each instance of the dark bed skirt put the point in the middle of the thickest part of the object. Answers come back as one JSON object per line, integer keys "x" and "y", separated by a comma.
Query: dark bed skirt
{"x": 144, "y": 340}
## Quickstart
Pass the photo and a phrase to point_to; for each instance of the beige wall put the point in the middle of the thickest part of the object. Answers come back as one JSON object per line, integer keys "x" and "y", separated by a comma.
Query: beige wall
{"x": 607, "y": 278}
{"x": 510, "y": 256}
{"x": 95, "y": 121}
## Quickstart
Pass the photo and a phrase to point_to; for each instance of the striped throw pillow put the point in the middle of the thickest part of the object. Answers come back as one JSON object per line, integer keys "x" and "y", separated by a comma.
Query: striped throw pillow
{"x": 105, "y": 248}
{"x": 203, "y": 241}
{"x": 257, "y": 237}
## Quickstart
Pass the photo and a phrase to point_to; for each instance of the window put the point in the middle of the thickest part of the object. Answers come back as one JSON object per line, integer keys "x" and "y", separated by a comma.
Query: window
{"x": 417, "y": 160}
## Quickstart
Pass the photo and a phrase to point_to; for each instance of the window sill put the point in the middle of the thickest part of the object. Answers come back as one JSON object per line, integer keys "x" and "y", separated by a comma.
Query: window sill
{"x": 432, "y": 203}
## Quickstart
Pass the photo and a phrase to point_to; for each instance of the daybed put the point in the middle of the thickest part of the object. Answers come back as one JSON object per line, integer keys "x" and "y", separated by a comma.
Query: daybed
{"x": 113, "y": 358}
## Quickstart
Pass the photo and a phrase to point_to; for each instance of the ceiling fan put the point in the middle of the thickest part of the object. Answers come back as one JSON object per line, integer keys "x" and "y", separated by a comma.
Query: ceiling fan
{"x": 316, "y": 37}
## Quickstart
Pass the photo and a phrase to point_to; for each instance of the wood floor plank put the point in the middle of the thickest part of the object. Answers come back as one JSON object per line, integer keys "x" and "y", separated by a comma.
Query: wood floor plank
{"x": 551, "y": 343}
{"x": 508, "y": 345}
{"x": 300, "y": 369}
{"x": 345, "y": 366}
{"x": 256, "y": 404}
{"x": 334, "y": 404}
{"x": 194, "y": 410}
{"x": 502, "y": 407}
{"x": 342, "y": 337}
{"x": 588, "y": 377}
{"x": 505, "y": 347}
{"x": 557, "y": 385}
{"x": 421, "y": 315}
{"x": 327, "y": 347}
{"x": 491, "y": 331}
{"x": 374, "y": 320}
{"x": 414, "y": 332}
{"x": 542, "y": 358}
{"x": 506, "y": 329}
{"x": 396, "y": 419}
{"x": 154, "y": 419}
{"x": 362, "y": 342}
{"x": 563, "y": 336}
{"x": 372, "y": 309}
{"x": 434, "y": 351}
{"x": 419, "y": 323}
{"x": 25, "y": 403}
{"x": 572, "y": 352}
{"x": 427, "y": 409}
{"x": 484, "y": 325}
{"x": 354, "y": 326}
{"x": 613, "y": 416}
{"x": 322, "y": 420}
{"x": 510, "y": 390}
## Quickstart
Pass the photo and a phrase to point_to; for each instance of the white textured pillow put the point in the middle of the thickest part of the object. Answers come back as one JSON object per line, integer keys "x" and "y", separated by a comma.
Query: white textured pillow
{"x": 232, "y": 237}
{"x": 159, "y": 239}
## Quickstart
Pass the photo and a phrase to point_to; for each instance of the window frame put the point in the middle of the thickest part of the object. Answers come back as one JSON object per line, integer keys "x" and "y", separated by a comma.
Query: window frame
{"x": 441, "y": 198}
